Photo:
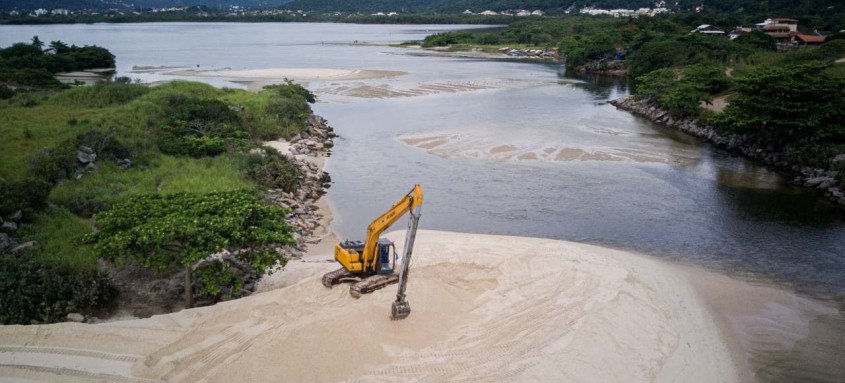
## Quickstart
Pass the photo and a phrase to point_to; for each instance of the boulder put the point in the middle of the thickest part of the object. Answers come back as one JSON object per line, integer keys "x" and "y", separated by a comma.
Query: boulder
{"x": 75, "y": 317}
{"x": 84, "y": 157}
{"x": 5, "y": 241}
{"x": 124, "y": 163}
{"x": 815, "y": 181}
{"x": 9, "y": 226}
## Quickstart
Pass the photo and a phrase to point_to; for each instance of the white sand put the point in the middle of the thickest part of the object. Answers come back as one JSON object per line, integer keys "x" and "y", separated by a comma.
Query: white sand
{"x": 296, "y": 74}
{"x": 484, "y": 308}
{"x": 460, "y": 145}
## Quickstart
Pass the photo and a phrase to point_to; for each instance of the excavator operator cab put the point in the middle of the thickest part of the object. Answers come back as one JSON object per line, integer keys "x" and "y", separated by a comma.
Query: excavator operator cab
{"x": 386, "y": 256}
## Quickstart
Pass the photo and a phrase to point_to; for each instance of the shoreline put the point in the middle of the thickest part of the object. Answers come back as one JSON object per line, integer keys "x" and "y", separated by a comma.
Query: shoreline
{"x": 317, "y": 256}
{"x": 821, "y": 181}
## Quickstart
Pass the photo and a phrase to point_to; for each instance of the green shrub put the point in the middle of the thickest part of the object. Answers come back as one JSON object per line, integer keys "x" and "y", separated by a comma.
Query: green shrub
{"x": 59, "y": 163}
{"x": 218, "y": 280}
{"x": 809, "y": 153}
{"x": 710, "y": 76}
{"x": 448, "y": 38}
{"x": 757, "y": 40}
{"x": 6, "y": 92}
{"x": 272, "y": 170}
{"x": 788, "y": 104}
{"x": 163, "y": 232}
{"x": 28, "y": 196}
{"x": 198, "y": 127}
{"x": 294, "y": 91}
{"x": 34, "y": 289}
{"x": 681, "y": 97}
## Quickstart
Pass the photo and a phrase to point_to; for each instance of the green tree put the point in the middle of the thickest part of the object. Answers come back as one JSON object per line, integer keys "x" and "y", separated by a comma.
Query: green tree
{"x": 710, "y": 76}
{"x": 36, "y": 42}
{"x": 180, "y": 230}
{"x": 789, "y": 103}
{"x": 757, "y": 40}
{"x": 681, "y": 97}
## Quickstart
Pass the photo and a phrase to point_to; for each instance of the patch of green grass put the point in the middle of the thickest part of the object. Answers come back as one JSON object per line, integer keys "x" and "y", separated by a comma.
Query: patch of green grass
{"x": 100, "y": 95}
{"x": 27, "y": 131}
{"x": 59, "y": 234}
{"x": 166, "y": 174}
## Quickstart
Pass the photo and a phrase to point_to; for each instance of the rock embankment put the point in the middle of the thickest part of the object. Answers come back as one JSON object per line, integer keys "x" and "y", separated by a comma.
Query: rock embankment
{"x": 823, "y": 181}
{"x": 530, "y": 53}
{"x": 306, "y": 149}
{"x": 604, "y": 67}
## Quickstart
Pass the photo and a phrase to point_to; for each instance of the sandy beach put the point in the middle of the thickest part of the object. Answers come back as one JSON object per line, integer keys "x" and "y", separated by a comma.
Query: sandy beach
{"x": 485, "y": 308}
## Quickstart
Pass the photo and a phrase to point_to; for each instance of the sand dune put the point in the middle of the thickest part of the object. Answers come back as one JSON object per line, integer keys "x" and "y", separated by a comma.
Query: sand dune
{"x": 485, "y": 308}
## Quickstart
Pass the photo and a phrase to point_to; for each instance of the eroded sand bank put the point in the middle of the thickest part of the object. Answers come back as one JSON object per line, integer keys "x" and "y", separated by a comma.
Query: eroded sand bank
{"x": 485, "y": 308}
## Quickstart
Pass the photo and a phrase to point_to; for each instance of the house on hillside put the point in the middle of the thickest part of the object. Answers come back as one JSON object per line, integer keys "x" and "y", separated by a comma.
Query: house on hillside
{"x": 489, "y": 13}
{"x": 799, "y": 38}
{"x": 781, "y": 31}
{"x": 707, "y": 29}
{"x": 791, "y": 24}
{"x": 739, "y": 31}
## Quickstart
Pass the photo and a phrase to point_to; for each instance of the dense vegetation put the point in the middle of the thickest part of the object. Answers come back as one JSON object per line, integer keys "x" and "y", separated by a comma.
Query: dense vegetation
{"x": 31, "y": 65}
{"x": 169, "y": 174}
{"x": 180, "y": 230}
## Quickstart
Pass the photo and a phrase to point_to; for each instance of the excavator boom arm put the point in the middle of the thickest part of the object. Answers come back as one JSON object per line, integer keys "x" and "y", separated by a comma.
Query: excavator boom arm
{"x": 409, "y": 202}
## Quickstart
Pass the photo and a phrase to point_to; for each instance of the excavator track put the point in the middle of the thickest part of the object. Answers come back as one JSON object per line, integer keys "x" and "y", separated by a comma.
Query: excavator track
{"x": 372, "y": 283}
{"x": 338, "y": 276}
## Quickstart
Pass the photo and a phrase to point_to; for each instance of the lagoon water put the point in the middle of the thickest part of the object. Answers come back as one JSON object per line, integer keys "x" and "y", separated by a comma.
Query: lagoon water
{"x": 515, "y": 147}
{"x": 639, "y": 187}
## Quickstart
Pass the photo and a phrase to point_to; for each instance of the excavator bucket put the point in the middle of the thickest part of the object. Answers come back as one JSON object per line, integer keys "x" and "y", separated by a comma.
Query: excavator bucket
{"x": 400, "y": 310}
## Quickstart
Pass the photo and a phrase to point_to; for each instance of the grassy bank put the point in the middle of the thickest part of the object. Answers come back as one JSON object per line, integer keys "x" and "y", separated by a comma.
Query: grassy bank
{"x": 89, "y": 150}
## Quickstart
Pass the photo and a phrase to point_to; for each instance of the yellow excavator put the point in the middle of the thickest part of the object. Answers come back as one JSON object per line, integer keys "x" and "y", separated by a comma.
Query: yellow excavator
{"x": 370, "y": 265}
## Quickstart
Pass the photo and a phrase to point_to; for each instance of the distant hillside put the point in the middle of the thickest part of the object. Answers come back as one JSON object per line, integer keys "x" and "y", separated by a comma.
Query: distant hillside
{"x": 457, "y": 5}
{"x": 7, "y": 5}
{"x": 780, "y": 7}
{"x": 774, "y": 7}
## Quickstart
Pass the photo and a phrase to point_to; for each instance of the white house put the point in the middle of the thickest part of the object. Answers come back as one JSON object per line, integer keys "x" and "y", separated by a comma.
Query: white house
{"x": 707, "y": 29}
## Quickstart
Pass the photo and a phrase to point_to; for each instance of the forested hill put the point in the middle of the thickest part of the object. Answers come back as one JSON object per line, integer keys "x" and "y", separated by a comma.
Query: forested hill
{"x": 73, "y": 5}
{"x": 781, "y": 7}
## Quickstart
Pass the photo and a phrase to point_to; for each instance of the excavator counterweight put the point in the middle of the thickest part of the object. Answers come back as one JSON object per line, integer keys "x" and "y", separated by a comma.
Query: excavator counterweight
{"x": 370, "y": 265}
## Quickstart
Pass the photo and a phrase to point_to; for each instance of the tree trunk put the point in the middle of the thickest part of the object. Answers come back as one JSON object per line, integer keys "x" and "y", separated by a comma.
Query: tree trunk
{"x": 189, "y": 288}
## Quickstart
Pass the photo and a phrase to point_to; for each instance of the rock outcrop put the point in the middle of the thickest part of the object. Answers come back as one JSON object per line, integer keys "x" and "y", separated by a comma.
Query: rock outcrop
{"x": 305, "y": 216}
